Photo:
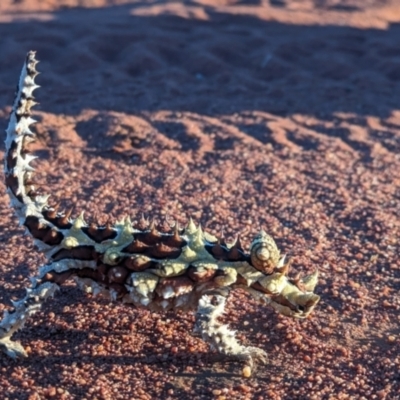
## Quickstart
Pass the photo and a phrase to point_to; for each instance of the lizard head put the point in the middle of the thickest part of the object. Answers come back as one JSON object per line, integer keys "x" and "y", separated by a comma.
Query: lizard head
{"x": 268, "y": 281}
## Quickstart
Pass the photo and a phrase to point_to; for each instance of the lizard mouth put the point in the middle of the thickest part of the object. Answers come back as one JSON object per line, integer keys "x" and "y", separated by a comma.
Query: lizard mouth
{"x": 292, "y": 303}
{"x": 300, "y": 306}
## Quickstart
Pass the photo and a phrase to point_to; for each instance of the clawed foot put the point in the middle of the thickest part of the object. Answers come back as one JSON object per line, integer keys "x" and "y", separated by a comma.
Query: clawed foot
{"x": 12, "y": 349}
{"x": 254, "y": 356}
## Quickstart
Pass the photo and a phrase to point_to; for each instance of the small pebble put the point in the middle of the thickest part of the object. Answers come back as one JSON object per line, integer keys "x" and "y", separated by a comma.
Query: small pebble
{"x": 246, "y": 372}
{"x": 391, "y": 339}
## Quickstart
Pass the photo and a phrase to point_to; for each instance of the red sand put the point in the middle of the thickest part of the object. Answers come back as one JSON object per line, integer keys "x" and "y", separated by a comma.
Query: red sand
{"x": 280, "y": 114}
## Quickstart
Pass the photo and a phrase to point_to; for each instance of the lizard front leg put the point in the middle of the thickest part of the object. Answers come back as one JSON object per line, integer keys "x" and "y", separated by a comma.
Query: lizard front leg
{"x": 12, "y": 321}
{"x": 219, "y": 336}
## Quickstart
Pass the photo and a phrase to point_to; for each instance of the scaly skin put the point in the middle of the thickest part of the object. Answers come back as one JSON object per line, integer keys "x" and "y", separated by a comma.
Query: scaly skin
{"x": 186, "y": 269}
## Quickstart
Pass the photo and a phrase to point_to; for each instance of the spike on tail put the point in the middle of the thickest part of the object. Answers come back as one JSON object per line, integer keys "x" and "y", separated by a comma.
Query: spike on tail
{"x": 17, "y": 160}
{"x": 28, "y": 205}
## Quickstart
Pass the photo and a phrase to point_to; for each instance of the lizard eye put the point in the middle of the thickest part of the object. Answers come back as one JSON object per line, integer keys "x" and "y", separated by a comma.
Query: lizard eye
{"x": 264, "y": 253}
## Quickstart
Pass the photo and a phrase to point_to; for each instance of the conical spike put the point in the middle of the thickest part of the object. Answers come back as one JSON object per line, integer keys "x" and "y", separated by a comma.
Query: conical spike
{"x": 176, "y": 228}
{"x": 191, "y": 227}
{"x": 238, "y": 243}
{"x": 141, "y": 224}
{"x": 221, "y": 239}
{"x": 80, "y": 221}
{"x": 42, "y": 200}
{"x": 152, "y": 225}
{"x": 120, "y": 222}
{"x": 18, "y": 192}
{"x": 230, "y": 244}
{"x": 29, "y": 158}
{"x": 127, "y": 228}
{"x": 95, "y": 219}
{"x": 92, "y": 229}
{"x": 52, "y": 212}
{"x": 176, "y": 239}
{"x": 63, "y": 220}
{"x": 309, "y": 282}
{"x": 198, "y": 239}
{"x": 128, "y": 224}
{"x": 108, "y": 229}
{"x": 144, "y": 221}
{"x": 281, "y": 262}
{"x": 153, "y": 232}
{"x": 166, "y": 225}
{"x": 68, "y": 213}
{"x": 188, "y": 254}
{"x": 284, "y": 265}
{"x": 262, "y": 233}
{"x": 297, "y": 279}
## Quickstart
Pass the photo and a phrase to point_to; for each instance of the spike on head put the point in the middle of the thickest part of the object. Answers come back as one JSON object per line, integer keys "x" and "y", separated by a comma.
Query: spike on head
{"x": 284, "y": 265}
{"x": 309, "y": 282}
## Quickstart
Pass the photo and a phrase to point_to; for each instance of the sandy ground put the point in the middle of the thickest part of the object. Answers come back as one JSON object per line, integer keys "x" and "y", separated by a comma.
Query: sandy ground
{"x": 279, "y": 114}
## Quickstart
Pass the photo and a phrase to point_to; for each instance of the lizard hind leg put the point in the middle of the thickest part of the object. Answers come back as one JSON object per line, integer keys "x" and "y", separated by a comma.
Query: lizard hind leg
{"x": 42, "y": 288}
{"x": 219, "y": 336}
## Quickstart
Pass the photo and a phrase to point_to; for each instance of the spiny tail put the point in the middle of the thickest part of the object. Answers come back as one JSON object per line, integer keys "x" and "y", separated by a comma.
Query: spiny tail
{"x": 32, "y": 210}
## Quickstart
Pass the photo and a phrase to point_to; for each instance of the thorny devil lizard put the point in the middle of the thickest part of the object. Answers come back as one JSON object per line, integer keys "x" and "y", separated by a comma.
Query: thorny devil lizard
{"x": 186, "y": 269}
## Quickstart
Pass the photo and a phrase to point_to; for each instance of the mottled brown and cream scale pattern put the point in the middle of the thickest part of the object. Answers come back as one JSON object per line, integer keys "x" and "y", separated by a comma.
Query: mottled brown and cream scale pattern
{"x": 185, "y": 269}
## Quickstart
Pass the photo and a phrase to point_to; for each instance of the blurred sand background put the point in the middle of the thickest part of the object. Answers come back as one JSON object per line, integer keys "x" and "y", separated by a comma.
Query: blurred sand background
{"x": 279, "y": 114}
